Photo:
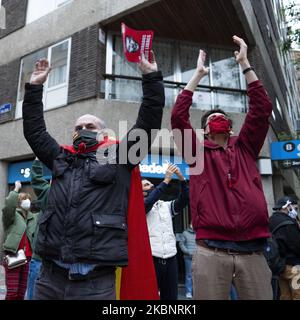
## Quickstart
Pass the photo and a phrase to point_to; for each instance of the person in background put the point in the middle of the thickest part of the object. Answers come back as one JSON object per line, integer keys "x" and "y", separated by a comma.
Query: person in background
{"x": 288, "y": 240}
{"x": 41, "y": 189}
{"x": 160, "y": 227}
{"x": 19, "y": 225}
{"x": 187, "y": 245}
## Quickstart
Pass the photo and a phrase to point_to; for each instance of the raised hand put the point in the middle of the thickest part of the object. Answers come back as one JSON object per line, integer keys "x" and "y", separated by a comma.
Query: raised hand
{"x": 172, "y": 168}
{"x": 18, "y": 186}
{"x": 200, "y": 63}
{"x": 40, "y": 73}
{"x": 179, "y": 174}
{"x": 240, "y": 56}
{"x": 145, "y": 66}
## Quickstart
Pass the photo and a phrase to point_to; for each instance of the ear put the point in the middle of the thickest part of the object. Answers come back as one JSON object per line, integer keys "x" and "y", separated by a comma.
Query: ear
{"x": 206, "y": 130}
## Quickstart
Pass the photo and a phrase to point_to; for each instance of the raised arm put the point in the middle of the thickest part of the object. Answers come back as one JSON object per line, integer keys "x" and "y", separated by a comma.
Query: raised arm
{"x": 150, "y": 113}
{"x": 42, "y": 144}
{"x": 157, "y": 192}
{"x": 39, "y": 185}
{"x": 256, "y": 125}
{"x": 180, "y": 118}
{"x": 9, "y": 210}
{"x": 182, "y": 201}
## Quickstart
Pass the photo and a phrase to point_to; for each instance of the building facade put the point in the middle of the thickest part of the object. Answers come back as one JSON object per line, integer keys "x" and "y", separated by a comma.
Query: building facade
{"x": 82, "y": 40}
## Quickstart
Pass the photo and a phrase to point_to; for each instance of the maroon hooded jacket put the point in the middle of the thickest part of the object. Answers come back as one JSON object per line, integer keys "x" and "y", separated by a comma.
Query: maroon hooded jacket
{"x": 227, "y": 199}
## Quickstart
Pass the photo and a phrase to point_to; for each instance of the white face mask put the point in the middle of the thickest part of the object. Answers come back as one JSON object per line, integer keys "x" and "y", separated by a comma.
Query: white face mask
{"x": 25, "y": 204}
{"x": 293, "y": 213}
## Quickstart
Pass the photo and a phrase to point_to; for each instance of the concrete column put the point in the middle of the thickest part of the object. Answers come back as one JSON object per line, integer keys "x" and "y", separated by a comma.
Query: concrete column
{"x": 268, "y": 191}
{"x": 278, "y": 186}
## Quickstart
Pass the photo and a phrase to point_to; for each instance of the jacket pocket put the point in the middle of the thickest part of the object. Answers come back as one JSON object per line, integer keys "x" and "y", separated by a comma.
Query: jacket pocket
{"x": 115, "y": 221}
{"x": 109, "y": 241}
{"x": 103, "y": 174}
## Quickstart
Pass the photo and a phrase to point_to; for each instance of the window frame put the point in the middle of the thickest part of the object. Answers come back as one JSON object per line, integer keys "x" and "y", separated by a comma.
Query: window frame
{"x": 47, "y": 90}
{"x": 177, "y": 75}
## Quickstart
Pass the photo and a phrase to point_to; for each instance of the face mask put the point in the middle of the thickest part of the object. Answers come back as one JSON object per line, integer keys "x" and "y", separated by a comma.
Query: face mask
{"x": 25, "y": 204}
{"x": 293, "y": 213}
{"x": 219, "y": 125}
{"x": 148, "y": 192}
{"x": 89, "y": 138}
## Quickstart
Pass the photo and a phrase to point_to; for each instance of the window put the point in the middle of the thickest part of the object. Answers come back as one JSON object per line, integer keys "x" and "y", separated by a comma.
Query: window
{"x": 37, "y": 8}
{"x": 2, "y": 16}
{"x": 56, "y": 87}
{"x": 177, "y": 60}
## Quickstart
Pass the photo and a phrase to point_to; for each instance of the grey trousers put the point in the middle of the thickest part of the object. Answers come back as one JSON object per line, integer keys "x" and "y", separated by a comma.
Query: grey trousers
{"x": 52, "y": 284}
{"x": 215, "y": 271}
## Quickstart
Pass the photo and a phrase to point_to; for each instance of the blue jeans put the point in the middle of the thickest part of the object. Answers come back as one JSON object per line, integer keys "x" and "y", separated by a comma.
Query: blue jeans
{"x": 188, "y": 274}
{"x": 233, "y": 293}
{"x": 34, "y": 269}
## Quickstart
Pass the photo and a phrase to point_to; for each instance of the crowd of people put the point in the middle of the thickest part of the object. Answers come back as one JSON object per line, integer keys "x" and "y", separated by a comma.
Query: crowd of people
{"x": 75, "y": 234}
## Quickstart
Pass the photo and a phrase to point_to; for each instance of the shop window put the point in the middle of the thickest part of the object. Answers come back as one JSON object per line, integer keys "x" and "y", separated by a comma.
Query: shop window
{"x": 56, "y": 87}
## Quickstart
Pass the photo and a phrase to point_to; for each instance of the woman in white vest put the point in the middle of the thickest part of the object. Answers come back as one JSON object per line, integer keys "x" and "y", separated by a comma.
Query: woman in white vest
{"x": 160, "y": 227}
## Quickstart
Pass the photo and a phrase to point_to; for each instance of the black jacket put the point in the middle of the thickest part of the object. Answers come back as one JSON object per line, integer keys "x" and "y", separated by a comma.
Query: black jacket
{"x": 288, "y": 237}
{"x": 85, "y": 219}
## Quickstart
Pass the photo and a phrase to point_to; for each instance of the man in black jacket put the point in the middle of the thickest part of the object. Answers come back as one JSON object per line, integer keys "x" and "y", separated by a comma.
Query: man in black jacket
{"x": 83, "y": 232}
{"x": 288, "y": 239}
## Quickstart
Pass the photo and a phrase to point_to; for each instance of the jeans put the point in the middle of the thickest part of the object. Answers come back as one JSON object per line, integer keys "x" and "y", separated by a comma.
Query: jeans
{"x": 34, "y": 269}
{"x": 53, "y": 283}
{"x": 188, "y": 275}
{"x": 233, "y": 293}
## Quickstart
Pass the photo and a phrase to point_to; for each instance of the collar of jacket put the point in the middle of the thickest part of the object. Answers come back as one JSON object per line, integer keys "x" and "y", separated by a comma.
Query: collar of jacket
{"x": 211, "y": 145}
{"x": 284, "y": 215}
{"x": 29, "y": 214}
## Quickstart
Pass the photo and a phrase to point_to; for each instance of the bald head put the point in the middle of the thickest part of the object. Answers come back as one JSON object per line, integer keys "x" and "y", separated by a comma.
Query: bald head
{"x": 89, "y": 122}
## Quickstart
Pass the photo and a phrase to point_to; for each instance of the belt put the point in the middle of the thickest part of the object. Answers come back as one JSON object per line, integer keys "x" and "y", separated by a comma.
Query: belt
{"x": 95, "y": 273}
{"x": 201, "y": 243}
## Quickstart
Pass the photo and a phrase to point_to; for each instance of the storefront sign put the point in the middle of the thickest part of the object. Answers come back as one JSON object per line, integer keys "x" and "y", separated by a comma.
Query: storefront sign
{"x": 289, "y": 164}
{"x": 21, "y": 171}
{"x": 285, "y": 150}
{"x": 153, "y": 166}
{"x": 5, "y": 108}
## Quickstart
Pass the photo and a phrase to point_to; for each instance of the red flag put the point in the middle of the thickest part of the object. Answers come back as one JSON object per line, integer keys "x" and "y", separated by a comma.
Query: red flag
{"x": 136, "y": 42}
{"x": 138, "y": 280}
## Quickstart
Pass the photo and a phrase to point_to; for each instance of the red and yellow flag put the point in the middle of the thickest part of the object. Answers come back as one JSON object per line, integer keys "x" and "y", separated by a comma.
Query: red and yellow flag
{"x": 137, "y": 281}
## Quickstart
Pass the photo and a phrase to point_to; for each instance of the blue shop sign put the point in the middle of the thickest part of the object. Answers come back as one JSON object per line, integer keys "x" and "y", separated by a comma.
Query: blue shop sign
{"x": 285, "y": 150}
{"x": 5, "y": 108}
{"x": 155, "y": 166}
{"x": 22, "y": 171}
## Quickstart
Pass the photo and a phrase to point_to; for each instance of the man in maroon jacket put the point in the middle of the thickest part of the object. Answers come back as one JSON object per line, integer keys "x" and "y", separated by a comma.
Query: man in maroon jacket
{"x": 228, "y": 206}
